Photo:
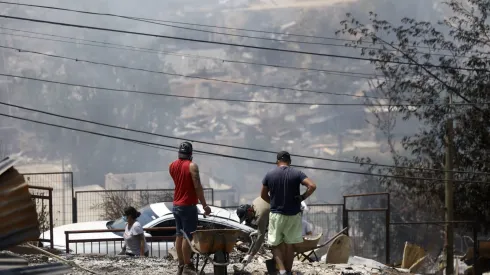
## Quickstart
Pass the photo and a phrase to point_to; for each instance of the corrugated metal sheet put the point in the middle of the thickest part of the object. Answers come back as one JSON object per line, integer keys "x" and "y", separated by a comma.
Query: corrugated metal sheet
{"x": 10, "y": 261}
{"x": 52, "y": 269}
{"x": 9, "y": 162}
{"x": 17, "y": 208}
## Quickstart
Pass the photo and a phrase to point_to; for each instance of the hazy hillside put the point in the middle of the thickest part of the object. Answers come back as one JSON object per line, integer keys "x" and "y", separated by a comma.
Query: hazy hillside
{"x": 339, "y": 132}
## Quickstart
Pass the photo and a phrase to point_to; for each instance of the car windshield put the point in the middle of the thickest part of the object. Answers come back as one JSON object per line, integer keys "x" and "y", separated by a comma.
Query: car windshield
{"x": 147, "y": 215}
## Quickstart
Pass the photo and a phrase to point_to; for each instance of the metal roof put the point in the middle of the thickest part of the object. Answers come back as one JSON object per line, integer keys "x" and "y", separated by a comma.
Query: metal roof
{"x": 8, "y": 162}
{"x": 18, "y": 208}
{"x": 10, "y": 261}
{"x": 52, "y": 269}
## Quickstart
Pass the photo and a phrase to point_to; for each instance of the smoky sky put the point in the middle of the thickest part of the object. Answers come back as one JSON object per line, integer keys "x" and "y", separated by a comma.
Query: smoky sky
{"x": 337, "y": 132}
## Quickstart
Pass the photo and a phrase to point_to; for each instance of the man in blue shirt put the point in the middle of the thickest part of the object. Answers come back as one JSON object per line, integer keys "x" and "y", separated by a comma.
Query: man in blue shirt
{"x": 281, "y": 188}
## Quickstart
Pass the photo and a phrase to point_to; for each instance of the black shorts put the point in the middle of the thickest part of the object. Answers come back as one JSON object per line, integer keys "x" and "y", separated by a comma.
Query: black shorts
{"x": 185, "y": 219}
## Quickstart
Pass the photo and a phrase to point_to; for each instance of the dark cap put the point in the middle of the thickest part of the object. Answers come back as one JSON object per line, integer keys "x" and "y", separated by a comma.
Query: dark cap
{"x": 185, "y": 148}
{"x": 242, "y": 210}
{"x": 284, "y": 156}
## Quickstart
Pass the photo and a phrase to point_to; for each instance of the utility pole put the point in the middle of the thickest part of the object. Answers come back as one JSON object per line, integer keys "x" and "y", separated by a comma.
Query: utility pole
{"x": 449, "y": 196}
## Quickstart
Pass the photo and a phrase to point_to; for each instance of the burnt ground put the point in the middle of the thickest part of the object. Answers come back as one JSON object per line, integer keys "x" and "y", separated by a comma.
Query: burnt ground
{"x": 122, "y": 265}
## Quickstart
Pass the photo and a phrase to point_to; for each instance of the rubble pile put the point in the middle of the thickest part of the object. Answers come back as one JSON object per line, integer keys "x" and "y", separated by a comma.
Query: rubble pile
{"x": 112, "y": 265}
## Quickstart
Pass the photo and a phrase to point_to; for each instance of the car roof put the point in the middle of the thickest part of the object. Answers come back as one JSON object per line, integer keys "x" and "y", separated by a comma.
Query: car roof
{"x": 165, "y": 208}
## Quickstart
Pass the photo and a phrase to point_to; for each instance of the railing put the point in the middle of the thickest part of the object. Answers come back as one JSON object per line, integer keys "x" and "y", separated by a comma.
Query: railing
{"x": 40, "y": 196}
{"x": 119, "y": 240}
{"x": 369, "y": 225}
{"x": 94, "y": 205}
{"x": 63, "y": 193}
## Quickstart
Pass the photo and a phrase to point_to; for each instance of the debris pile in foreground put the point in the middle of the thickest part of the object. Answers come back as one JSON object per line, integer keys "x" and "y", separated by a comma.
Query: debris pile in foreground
{"x": 153, "y": 266}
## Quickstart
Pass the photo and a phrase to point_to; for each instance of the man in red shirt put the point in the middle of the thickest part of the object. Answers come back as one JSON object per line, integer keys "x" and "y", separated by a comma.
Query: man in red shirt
{"x": 188, "y": 190}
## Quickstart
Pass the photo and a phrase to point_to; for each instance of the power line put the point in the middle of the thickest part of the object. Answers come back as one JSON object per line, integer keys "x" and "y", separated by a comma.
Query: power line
{"x": 454, "y": 90}
{"x": 228, "y": 146}
{"x": 185, "y": 76}
{"x": 197, "y": 97}
{"x": 236, "y": 45}
{"x": 240, "y": 100}
{"x": 256, "y": 37}
{"x": 149, "y": 50}
{"x": 156, "y": 22}
{"x": 149, "y": 20}
{"x": 231, "y": 156}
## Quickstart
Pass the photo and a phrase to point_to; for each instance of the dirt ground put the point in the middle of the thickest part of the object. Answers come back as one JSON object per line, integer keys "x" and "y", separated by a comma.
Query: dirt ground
{"x": 122, "y": 265}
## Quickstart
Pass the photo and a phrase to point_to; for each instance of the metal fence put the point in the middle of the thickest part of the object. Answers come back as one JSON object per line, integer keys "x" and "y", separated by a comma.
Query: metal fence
{"x": 108, "y": 204}
{"x": 62, "y": 184}
{"x": 324, "y": 218}
{"x": 430, "y": 235}
{"x": 368, "y": 221}
{"x": 77, "y": 242}
{"x": 43, "y": 198}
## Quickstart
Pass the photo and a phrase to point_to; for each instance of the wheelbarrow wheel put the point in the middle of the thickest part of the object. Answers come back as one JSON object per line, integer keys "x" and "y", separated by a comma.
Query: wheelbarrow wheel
{"x": 220, "y": 257}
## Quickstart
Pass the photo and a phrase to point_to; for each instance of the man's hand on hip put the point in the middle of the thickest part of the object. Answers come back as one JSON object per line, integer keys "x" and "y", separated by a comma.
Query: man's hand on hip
{"x": 300, "y": 198}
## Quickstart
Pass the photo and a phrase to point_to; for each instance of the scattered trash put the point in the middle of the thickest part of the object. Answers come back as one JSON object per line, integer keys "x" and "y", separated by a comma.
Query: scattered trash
{"x": 356, "y": 260}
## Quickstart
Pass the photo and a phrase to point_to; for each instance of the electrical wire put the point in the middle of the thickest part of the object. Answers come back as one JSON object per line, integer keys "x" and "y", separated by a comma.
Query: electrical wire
{"x": 202, "y": 98}
{"x": 231, "y": 156}
{"x": 229, "y": 146}
{"x": 257, "y": 37}
{"x": 185, "y": 76}
{"x": 149, "y": 20}
{"x": 449, "y": 87}
{"x": 157, "y": 22}
{"x": 240, "y": 100}
{"x": 236, "y": 45}
{"x": 149, "y": 50}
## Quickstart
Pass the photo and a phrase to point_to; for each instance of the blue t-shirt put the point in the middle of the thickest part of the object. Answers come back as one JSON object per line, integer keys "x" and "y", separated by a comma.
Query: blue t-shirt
{"x": 283, "y": 183}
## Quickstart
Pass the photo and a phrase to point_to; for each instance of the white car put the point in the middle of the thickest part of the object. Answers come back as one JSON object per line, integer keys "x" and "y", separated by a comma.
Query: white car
{"x": 153, "y": 215}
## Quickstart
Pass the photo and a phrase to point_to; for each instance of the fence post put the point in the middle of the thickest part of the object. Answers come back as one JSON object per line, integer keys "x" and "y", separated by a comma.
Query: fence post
{"x": 476, "y": 247}
{"x": 73, "y": 204}
{"x": 75, "y": 210}
{"x": 67, "y": 242}
{"x": 51, "y": 241}
{"x": 345, "y": 217}
{"x": 388, "y": 230}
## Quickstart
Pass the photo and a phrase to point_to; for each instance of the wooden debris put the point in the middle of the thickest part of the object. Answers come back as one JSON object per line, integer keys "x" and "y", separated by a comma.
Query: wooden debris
{"x": 16, "y": 207}
{"x": 339, "y": 251}
{"x": 411, "y": 254}
{"x": 419, "y": 264}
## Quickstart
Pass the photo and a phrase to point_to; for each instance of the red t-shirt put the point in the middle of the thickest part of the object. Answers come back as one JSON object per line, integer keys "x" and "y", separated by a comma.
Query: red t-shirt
{"x": 185, "y": 193}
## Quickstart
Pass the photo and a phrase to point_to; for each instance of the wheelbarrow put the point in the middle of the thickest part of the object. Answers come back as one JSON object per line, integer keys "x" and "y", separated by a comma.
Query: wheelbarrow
{"x": 309, "y": 246}
{"x": 216, "y": 242}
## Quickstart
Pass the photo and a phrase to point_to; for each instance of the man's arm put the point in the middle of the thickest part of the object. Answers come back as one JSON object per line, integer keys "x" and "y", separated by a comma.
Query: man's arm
{"x": 194, "y": 169}
{"x": 262, "y": 226}
{"x": 310, "y": 188}
{"x": 264, "y": 194}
